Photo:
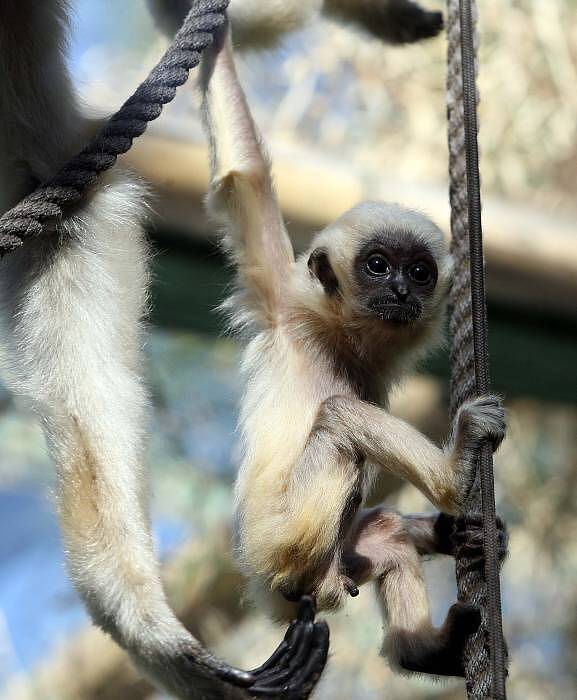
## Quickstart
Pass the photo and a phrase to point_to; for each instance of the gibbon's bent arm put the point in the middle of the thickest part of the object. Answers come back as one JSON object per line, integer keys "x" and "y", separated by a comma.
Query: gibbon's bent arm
{"x": 242, "y": 196}
{"x": 443, "y": 476}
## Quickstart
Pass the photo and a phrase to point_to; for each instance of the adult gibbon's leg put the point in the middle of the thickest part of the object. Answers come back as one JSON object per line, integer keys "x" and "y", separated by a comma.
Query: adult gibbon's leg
{"x": 242, "y": 196}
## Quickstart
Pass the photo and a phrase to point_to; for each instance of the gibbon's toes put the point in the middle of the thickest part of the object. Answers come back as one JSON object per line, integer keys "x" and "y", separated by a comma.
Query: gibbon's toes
{"x": 441, "y": 653}
{"x": 468, "y": 540}
{"x": 443, "y": 530}
{"x": 295, "y": 667}
{"x": 463, "y": 620}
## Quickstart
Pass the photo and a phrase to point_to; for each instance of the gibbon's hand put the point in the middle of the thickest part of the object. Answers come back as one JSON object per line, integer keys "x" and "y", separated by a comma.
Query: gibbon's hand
{"x": 295, "y": 666}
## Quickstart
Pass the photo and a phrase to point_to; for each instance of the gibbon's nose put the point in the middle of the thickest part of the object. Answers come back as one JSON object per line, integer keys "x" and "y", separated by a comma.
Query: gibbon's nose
{"x": 399, "y": 287}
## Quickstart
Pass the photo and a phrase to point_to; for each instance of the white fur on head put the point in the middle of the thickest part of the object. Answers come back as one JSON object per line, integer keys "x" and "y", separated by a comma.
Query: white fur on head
{"x": 371, "y": 218}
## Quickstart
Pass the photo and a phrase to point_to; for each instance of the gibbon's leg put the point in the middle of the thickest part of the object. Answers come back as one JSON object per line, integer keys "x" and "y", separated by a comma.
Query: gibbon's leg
{"x": 444, "y": 476}
{"x": 379, "y": 548}
{"x": 242, "y": 196}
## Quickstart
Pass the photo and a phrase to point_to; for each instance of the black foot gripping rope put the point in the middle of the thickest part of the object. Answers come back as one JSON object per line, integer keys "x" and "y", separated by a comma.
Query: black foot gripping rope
{"x": 485, "y": 656}
{"x": 47, "y": 202}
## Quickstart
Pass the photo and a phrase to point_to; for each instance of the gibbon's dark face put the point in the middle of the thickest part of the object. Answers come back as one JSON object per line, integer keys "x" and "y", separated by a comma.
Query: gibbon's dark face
{"x": 395, "y": 278}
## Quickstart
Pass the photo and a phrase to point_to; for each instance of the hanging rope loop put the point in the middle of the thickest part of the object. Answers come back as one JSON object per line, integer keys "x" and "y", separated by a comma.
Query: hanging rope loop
{"x": 485, "y": 664}
{"x": 47, "y": 202}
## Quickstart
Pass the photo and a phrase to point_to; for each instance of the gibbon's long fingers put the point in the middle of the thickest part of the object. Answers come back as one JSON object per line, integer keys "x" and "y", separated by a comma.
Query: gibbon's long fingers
{"x": 242, "y": 195}
{"x": 301, "y": 641}
{"x": 306, "y": 677}
{"x": 317, "y": 657}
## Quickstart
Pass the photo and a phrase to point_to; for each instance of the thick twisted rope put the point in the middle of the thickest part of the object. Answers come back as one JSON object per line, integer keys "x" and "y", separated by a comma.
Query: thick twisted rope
{"x": 48, "y": 201}
{"x": 484, "y": 663}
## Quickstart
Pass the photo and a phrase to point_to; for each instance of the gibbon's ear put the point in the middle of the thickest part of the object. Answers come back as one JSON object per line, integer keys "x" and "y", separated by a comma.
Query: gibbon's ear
{"x": 320, "y": 266}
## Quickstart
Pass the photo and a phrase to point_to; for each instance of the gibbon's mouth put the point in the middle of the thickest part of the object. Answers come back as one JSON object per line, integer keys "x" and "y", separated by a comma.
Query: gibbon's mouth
{"x": 396, "y": 312}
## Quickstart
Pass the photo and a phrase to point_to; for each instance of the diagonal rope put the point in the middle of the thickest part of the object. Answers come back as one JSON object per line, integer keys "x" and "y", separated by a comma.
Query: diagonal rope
{"x": 47, "y": 202}
{"x": 485, "y": 664}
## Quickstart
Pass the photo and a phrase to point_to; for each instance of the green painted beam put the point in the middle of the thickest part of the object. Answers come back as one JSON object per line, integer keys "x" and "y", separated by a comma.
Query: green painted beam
{"x": 531, "y": 354}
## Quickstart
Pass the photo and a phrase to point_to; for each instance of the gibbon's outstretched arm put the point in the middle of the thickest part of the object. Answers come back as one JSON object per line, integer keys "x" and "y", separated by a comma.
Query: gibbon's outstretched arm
{"x": 71, "y": 304}
{"x": 258, "y": 24}
{"x": 443, "y": 476}
{"x": 241, "y": 196}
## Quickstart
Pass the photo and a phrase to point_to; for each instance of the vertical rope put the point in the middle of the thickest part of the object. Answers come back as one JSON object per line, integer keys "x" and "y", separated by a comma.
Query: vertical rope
{"x": 484, "y": 663}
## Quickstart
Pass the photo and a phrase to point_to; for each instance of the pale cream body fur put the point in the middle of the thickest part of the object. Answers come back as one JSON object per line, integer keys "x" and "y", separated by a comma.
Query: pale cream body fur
{"x": 316, "y": 369}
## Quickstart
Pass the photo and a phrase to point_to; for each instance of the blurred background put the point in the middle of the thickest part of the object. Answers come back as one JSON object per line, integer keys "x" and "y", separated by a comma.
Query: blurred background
{"x": 345, "y": 118}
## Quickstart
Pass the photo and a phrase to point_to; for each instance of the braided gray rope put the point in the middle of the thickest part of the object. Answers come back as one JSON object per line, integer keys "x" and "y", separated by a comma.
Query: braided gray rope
{"x": 484, "y": 663}
{"x": 48, "y": 201}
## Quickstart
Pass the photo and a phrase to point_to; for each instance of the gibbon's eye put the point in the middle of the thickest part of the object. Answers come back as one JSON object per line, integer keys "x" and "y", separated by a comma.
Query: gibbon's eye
{"x": 420, "y": 272}
{"x": 377, "y": 265}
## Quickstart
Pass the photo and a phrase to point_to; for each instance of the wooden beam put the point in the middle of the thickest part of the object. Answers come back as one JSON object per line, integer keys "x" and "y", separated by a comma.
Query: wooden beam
{"x": 531, "y": 257}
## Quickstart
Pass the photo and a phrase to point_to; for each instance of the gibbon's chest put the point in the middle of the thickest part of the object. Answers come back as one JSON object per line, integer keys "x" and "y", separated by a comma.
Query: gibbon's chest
{"x": 285, "y": 387}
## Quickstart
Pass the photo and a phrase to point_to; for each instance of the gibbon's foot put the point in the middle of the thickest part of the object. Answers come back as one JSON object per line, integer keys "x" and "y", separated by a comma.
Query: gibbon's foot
{"x": 294, "y": 668}
{"x": 480, "y": 419}
{"x": 467, "y": 539}
{"x": 462, "y": 537}
{"x": 444, "y": 655}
